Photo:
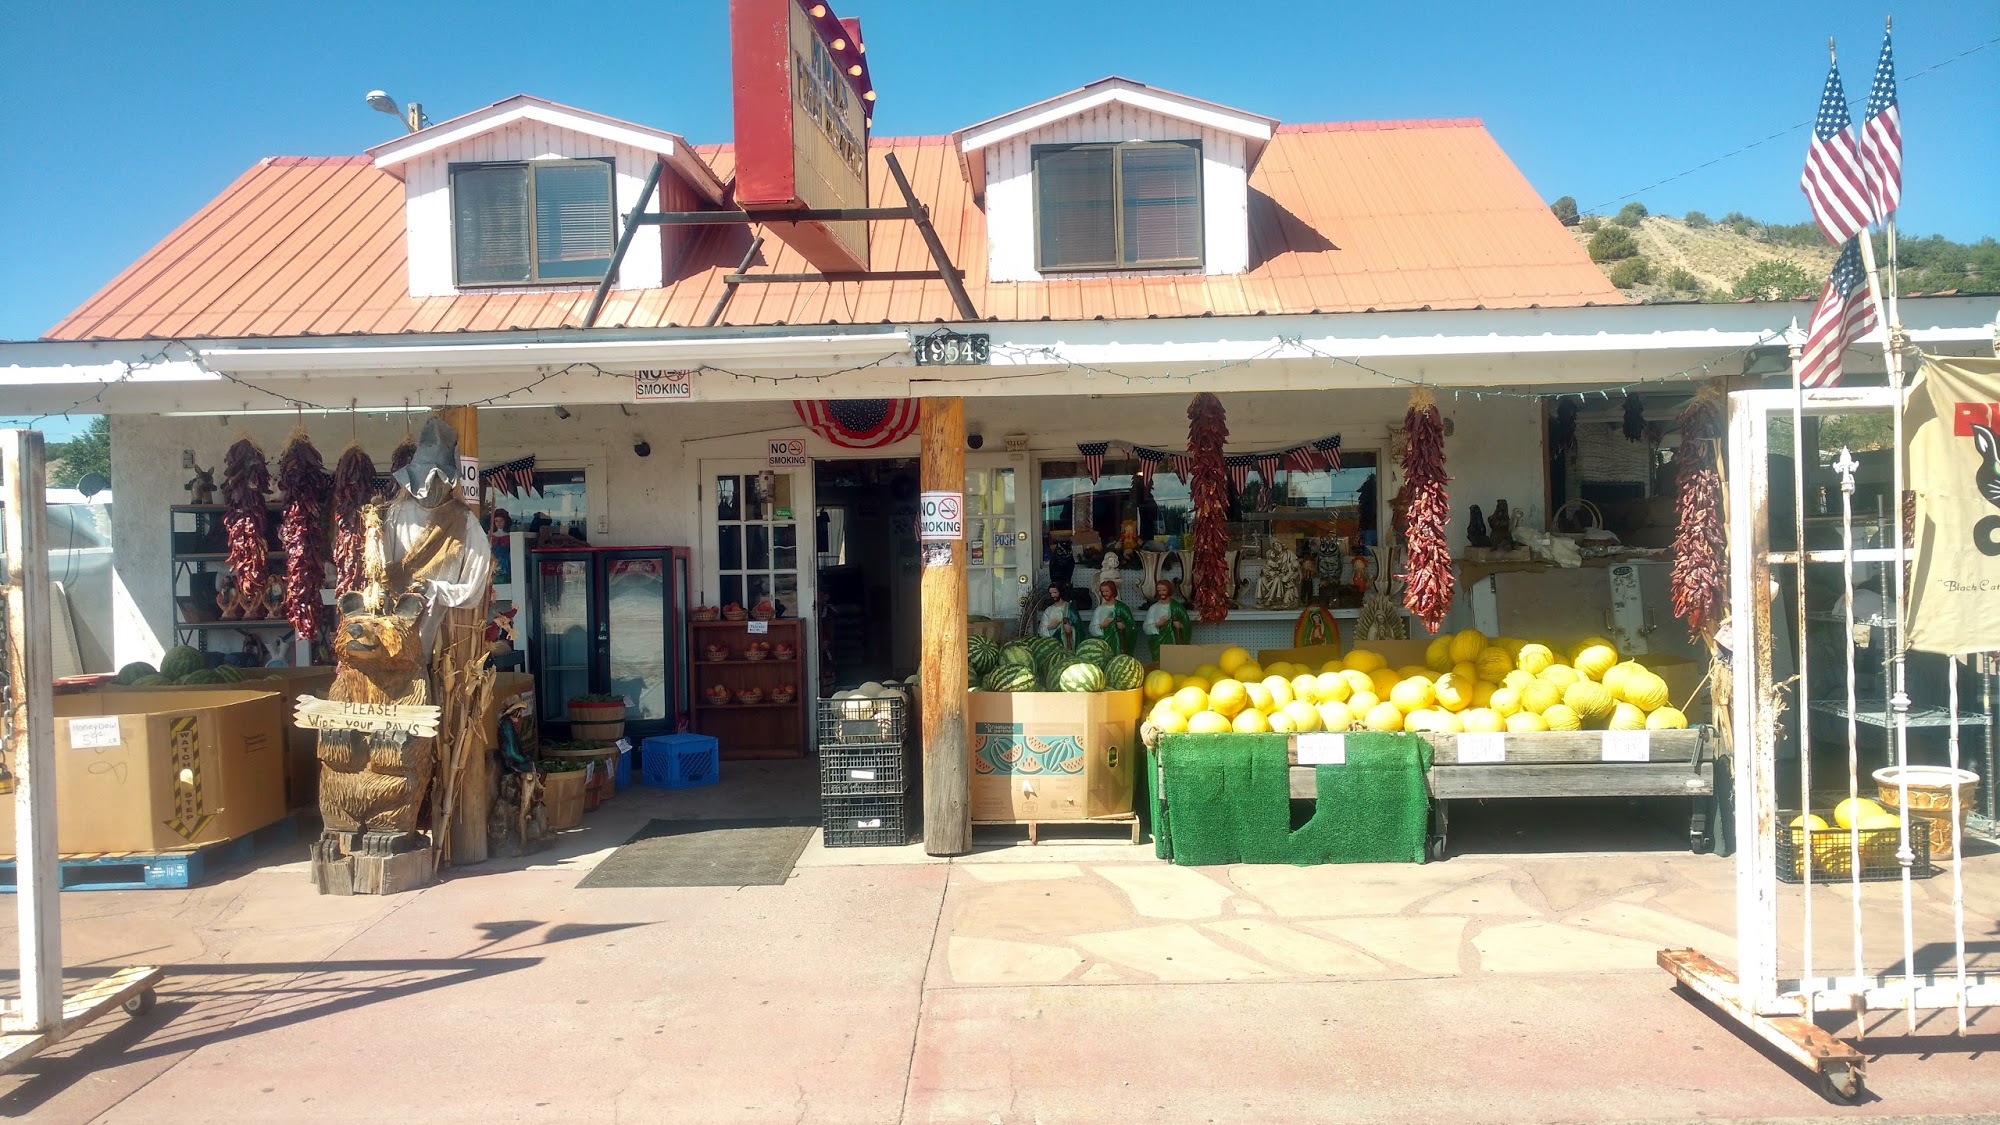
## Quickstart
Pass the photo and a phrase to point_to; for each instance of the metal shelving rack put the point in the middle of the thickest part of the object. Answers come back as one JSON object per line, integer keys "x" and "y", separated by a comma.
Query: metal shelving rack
{"x": 196, "y": 545}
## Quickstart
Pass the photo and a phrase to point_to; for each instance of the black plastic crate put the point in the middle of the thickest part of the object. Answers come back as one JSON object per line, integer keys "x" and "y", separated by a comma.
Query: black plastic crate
{"x": 872, "y": 771}
{"x": 1833, "y": 853}
{"x": 863, "y": 722}
{"x": 866, "y": 822}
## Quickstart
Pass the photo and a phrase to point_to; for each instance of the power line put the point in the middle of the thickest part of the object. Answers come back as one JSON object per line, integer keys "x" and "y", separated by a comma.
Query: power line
{"x": 1787, "y": 131}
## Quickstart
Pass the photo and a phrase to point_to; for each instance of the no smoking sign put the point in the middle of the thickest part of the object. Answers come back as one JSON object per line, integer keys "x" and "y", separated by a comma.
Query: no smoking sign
{"x": 941, "y": 517}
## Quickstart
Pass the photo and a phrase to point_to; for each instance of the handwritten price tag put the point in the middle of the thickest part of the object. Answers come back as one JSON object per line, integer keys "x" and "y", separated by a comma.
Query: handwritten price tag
{"x": 1482, "y": 748}
{"x": 1628, "y": 746}
{"x": 94, "y": 733}
{"x": 1322, "y": 749}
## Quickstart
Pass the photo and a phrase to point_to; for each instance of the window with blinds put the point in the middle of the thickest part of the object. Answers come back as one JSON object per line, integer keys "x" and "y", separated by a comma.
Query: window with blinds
{"x": 541, "y": 223}
{"x": 1135, "y": 205}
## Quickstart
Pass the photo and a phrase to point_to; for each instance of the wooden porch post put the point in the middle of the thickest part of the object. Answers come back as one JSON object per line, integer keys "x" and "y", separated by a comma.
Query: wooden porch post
{"x": 473, "y": 801}
{"x": 31, "y": 668}
{"x": 947, "y": 766}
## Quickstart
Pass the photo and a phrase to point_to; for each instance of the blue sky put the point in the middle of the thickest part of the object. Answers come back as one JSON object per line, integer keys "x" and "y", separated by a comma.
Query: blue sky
{"x": 121, "y": 119}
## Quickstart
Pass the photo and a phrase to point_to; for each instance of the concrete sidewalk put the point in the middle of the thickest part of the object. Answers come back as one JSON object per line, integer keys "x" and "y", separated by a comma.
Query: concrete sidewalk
{"x": 1055, "y": 984}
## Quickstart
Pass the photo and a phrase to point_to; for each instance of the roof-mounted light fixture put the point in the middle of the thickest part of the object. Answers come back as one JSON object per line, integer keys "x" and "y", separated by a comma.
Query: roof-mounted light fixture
{"x": 411, "y": 116}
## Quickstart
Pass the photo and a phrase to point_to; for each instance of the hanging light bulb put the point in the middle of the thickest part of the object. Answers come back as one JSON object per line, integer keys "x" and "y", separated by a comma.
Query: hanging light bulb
{"x": 855, "y": 70}
{"x": 840, "y": 44}
{"x": 861, "y": 48}
{"x": 818, "y": 11}
{"x": 868, "y": 95}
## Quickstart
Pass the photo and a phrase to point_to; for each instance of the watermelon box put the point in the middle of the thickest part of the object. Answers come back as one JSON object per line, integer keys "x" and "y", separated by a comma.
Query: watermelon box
{"x": 1051, "y": 756}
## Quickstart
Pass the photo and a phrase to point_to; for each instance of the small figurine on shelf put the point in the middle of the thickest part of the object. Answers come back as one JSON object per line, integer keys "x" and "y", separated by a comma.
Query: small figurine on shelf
{"x": 1112, "y": 621}
{"x": 1278, "y": 583}
{"x": 1500, "y": 527}
{"x": 201, "y": 489}
{"x": 1167, "y": 620}
{"x": 1110, "y": 568}
{"x": 1476, "y": 533}
{"x": 1059, "y": 618}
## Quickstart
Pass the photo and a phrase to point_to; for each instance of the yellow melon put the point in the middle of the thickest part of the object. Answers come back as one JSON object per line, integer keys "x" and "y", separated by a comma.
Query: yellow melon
{"x": 1166, "y": 720}
{"x": 1413, "y": 694}
{"x": 1482, "y": 693}
{"x": 1624, "y": 716}
{"x": 1280, "y": 689}
{"x": 1158, "y": 685}
{"x": 1281, "y": 723}
{"x": 1418, "y": 671}
{"x": 1517, "y": 679}
{"x": 1591, "y": 701}
{"x": 1527, "y": 722}
{"x": 1466, "y": 645}
{"x": 1423, "y": 722}
{"x": 1466, "y": 670}
{"x": 1232, "y": 657}
{"x": 1362, "y": 702}
{"x": 1504, "y": 701}
{"x": 1305, "y": 689}
{"x": 1358, "y": 681}
{"x": 1196, "y": 682}
{"x": 1249, "y": 672}
{"x": 1615, "y": 678}
{"x": 1334, "y": 715}
{"x": 1850, "y": 812}
{"x": 1331, "y": 687}
{"x": 1592, "y": 641}
{"x": 1384, "y": 717}
{"x": 1385, "y": 681}
{"x": 1250, "y": 721}
{"x": 1483, "y": 720}
{"x": 1666, "y": 718}
{"x": 1207, "y": 722}
{"x": 1227, "y": 698}
{"x": 1540, "y": 696}
{"x": 1260, "y": 697}
{"x": 1645, "y": 690}
{"x": 1561, "y": 717}
{"x": 1533, "y": 658}
{"x": 1493, "y": 664}
{"x": 1561, "y": 675}
{"x": 1190, "y": 701}
{"x": 1595, "y": 660}
{"x": 1304, "y": 716}
{"x": 1332, "y": 666}
{"x": 1454, "y": 692}
{"x": 1362, "y": 660}
{"x": 1437, "y": 655}
{"x": 1512, "y": 646}
{"x": 1209, "y": 672}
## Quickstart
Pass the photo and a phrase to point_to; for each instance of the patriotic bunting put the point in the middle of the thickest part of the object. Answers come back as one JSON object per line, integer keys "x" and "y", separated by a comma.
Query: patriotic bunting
{"x": 1239, "y": 470}
{"x": 511, "y": 478}
{"x": 1306, "y": 457}
{"x": 1267, "y": 467}
{"x": 1183, "y": 464}
{"x": 864, "y": 423}
{"x": 1328, "y": 449}
{"x": 1093, "y": 457}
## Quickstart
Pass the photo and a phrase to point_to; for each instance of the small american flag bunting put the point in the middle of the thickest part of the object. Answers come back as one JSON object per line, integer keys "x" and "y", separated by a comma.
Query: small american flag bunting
{"x": 1093, "y": 457}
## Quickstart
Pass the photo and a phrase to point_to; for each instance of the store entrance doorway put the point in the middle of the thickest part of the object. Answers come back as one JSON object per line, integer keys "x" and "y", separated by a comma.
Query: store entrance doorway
{"x": 865, "y": 540}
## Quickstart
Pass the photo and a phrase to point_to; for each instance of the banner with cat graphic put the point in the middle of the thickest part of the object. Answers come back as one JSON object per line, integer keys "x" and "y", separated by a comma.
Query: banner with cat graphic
{"x": 1955, "y": 472}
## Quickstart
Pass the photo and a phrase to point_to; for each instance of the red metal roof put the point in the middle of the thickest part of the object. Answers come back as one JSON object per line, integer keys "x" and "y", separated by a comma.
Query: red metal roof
{"x": 1347, "y": 217}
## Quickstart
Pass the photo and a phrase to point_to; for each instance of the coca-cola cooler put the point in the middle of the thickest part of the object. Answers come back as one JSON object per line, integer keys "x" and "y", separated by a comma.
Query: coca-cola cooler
{"x": 611, "y": 620}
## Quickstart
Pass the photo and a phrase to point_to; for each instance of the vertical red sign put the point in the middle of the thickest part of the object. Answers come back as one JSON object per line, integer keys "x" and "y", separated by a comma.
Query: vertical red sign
{"x": 803, "y": 102}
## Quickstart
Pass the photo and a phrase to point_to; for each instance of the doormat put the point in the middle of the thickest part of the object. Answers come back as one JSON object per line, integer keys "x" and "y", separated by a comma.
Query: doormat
{"x": 706, "y": 853}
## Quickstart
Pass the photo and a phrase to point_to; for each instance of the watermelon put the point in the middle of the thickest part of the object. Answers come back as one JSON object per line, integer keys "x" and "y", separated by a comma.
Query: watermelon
{"x": 1123, "y": 673}
{"x": 229, "y": 673}
{"x": 1010, "y": 677}
{"x": 1082, "y": 676}
{"x": 132, "y": 673}
{"x": 1044, "y": 645}
{"x": 154, "y": 680}
{"x": 1019, "y": 655}
{"x": 180, "y": 660}
{"x": 1096, "y": 650}
{"x": 1051, "y": 666}
{"x": 982, "y": 653}
{"x": 201, "y": 676}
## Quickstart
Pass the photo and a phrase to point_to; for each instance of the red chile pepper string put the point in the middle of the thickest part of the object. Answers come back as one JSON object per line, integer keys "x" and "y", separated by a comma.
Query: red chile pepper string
{"x": 1427, "y": 571}
{"x": 1701, "y": 545}
{"x": 353, "y": 491}
{"x": 1208, "y": 429}
{"x": 246, "y": 482}
{"x": 306, "y": 483}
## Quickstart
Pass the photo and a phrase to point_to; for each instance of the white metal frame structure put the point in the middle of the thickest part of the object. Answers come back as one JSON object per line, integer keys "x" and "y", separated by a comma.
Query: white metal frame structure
{"x": 1780, "y": 1008}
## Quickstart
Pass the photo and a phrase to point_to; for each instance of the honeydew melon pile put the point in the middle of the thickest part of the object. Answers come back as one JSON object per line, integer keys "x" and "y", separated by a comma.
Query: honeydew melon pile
{"x": 1043, "y": 664}
{"x": 1469, "y": 683}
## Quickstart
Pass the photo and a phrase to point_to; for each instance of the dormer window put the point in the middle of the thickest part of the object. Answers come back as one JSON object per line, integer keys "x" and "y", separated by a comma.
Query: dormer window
{"x": 542, "y": 222}
{"x": 1126, "y": 205}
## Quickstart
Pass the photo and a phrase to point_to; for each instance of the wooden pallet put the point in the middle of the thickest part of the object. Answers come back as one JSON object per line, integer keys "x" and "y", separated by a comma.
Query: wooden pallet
{"x": 172, "y": 870}
{"x": 1119, "y": 819}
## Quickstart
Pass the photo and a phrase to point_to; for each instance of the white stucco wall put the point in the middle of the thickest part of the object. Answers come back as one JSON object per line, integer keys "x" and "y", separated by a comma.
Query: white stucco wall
{"x": 1495, "y": 451}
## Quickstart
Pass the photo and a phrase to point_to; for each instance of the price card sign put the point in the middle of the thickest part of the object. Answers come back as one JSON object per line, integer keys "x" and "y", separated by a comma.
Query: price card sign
{"x": 1322, "y": 749}
{"x": 662, "y": 386}
{"x": 757, "y": 628}
{"x": 1628, "y": 746}
{"x": 1482, "y": 748}
{"x": 941, "y": 517}
{"x": 94, "y": 733}
{"x": 785, "y": 453}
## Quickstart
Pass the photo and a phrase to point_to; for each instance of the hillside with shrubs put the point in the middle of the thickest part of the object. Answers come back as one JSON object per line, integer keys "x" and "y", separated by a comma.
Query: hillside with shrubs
{"x": 1695, "y": 258}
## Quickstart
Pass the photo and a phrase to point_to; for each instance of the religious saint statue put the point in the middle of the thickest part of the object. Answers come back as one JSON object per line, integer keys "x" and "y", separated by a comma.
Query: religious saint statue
{"x": 1167, "y": 621}
{"x": 1059, "y": 618}
{"x": 1112, "y": 621}
{"x": 1111, "y": 568}
{"x": 1278, "y": 584}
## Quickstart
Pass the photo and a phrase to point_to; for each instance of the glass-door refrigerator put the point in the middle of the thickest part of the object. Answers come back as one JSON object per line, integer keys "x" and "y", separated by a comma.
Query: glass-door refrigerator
{"x": 612, "y": 620}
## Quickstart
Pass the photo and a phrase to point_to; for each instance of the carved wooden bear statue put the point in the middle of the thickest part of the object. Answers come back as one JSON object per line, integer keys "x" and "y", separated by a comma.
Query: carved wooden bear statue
{"x": 372, "y": 780}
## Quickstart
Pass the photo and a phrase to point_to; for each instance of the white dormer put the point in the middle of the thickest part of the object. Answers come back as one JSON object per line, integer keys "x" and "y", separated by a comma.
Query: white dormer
{"x": 1116, "y": 176}
{"x": 526, "y": 195}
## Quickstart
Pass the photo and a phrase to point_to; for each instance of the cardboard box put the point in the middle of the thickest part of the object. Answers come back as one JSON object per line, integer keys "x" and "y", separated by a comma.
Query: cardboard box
{"x": 301, "y": 743}
{"x": 1685, "y": 688}
{"x": 1312, "y": 656}
{"x": 1182, "y": 660}
{"x": 156, "y": 771}
{"x": 1051, "y": 756}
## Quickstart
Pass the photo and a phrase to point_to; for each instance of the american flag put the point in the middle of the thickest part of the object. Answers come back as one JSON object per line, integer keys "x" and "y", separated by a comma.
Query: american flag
{"x": 1300, "y": 459}
{"x": 1093, "y": 457}
{"x": 511, "y": 478}
{"x": 1844, "y": 315}
{"x": 1239, "y": 465}
{"x": 1882, "y": 138}
{"x": 1835, "y": 184}
{"x": 1183, "y": 464}
{"x": 1267, "y": 467}
{"x": 1329, "y": 450}
{"x": 866, "y": 423}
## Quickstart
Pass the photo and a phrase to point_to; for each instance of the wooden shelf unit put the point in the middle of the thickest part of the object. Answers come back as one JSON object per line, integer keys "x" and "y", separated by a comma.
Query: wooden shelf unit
{"x": 750, "y": 730}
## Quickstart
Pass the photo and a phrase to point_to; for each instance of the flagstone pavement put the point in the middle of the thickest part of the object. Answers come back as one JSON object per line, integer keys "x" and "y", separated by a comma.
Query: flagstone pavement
{"x": 1079, "y": 982}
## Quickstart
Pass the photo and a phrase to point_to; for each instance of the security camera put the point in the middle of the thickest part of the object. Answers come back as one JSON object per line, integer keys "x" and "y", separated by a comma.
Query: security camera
{"x": 642, "y": 448}
{"x": 974, "y": 441}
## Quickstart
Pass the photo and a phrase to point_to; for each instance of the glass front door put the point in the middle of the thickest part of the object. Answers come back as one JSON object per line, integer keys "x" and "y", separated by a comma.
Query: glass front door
{"x": 753, "y": 526}
{"x": 562, "y": 593}
{"x": 636, "y": 605}
{"x": 994, "y": 541}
